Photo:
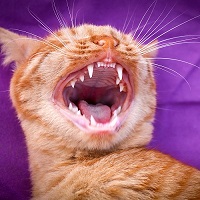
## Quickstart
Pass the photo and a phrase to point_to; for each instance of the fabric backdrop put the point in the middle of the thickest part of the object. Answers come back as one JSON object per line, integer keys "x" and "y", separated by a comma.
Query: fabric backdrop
{"x": 177, "y": 126}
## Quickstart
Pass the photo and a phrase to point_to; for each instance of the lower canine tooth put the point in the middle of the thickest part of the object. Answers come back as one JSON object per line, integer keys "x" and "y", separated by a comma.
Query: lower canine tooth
{"x": 70, "y": 106}
{"x": 121, "y": 87}
{"x": 92, "y": 120}
{"x": 78, "y": 112}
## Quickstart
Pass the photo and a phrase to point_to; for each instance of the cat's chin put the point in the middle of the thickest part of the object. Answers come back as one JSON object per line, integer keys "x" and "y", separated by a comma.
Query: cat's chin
{"x": 96, "y": 98}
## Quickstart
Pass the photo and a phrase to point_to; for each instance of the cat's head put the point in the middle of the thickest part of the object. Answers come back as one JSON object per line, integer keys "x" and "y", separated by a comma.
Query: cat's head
{"x": 90, "y": 85}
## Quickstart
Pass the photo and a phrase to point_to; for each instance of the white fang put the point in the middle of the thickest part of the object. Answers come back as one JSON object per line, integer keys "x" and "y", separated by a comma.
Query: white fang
{"x": 73, "y": 83}
{"x": 92, "y": 120}
{"x": 121, "y": 87}
{"x": 119, "y": 71}
{"x": 82, "y": 78}
{"x": 90, "y": 70}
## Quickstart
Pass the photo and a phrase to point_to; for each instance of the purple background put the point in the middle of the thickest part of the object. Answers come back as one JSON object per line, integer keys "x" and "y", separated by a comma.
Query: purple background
{"x": 177, "y": 128}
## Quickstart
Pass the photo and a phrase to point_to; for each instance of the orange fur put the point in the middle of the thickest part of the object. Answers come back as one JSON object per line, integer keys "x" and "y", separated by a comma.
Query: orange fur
{"x": 65, "y": 162}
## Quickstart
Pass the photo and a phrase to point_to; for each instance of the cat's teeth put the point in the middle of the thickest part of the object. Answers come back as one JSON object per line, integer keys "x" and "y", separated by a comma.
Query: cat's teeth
{"x": 70, "y": 106}
{"x": 90, "y": 70}
{"x": 92, "y": 120}
{"x": 73, "y": 108}
{"x": 119, "y": 71}
{"x": 117, "y": 111}
{"x": 99, "y": 64}
{"x": 121, "y": 87}
{"x": 114, "y": 121}
{"x": 117, "y": 81}
{"x": 113, "y": 65}
{"x": 73, "y": 83}
{"x": 78, "y": 112}
{"x": 81, "y": 78}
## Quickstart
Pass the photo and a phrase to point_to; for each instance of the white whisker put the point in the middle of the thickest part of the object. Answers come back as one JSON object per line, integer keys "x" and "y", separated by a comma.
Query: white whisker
{"x": 147, "y": 19}
{"x": 47, "y": 28}
{"x": 175, "y": 59}
{"x": 143, "y": 40}
{"x": 58, "y": 15}
{"x": 39, "y": 40}
{"x": 171, "y": 71}
{"x": 156, "y": 47}
{"x": 142, "y": 21}
{"x": 173, "y": 27}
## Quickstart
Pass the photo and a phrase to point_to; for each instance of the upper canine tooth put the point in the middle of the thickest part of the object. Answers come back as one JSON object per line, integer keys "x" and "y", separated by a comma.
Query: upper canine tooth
{"x": 73, "y": 83}
{"x": 90, "y": 70}
{"x": 119, "y": 71}
{"x": 81, "y": 78}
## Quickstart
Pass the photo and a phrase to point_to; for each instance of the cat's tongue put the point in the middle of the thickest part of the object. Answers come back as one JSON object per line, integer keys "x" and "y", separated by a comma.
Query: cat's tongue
{"x": 100, "y": 112}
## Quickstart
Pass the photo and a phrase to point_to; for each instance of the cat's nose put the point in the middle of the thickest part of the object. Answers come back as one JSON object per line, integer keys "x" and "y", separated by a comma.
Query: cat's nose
{"x": 107, "y": 42}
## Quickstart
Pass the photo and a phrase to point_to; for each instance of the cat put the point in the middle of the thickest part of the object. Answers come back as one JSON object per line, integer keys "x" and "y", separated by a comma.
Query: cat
{"x": 86, "y": 99}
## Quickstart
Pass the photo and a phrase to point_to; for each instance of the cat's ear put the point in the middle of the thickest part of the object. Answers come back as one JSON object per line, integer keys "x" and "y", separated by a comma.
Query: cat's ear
{"x": 150, "y": 50}
{"x": 16, "y": 48}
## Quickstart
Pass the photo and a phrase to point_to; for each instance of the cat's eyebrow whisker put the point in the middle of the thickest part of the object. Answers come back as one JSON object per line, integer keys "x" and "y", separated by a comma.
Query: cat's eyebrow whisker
{"x": 171, "y": 71}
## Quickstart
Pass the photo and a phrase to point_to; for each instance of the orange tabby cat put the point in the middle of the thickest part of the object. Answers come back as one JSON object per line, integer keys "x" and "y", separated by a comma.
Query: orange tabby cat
{"x": 86, "y": 99}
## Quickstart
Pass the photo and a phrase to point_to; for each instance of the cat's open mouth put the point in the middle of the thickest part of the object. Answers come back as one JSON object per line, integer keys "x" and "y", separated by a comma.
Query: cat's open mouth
{"x": 96, "y": 97}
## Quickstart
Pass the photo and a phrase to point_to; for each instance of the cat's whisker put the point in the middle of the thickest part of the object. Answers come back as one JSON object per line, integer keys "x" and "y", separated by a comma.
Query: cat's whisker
{"x": 169, "y": 30}
{"x": 125, "y": 26}
{"x": 181, "y": 36}
{"x": 46, "y": 28}
{"x": 175, "y": 59}
{"x": 156, "y": 47}
{"x": 40, "y": 39}
{"x": 5, "y": 91}
{"x": 143, "y": 39}
{"x": 71, "y": 13}
{"x": 76, "y": 16}
{"x": 147, "y": 32}
{"x": 171, "y": 71}
{"x": 154, "y": 2}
